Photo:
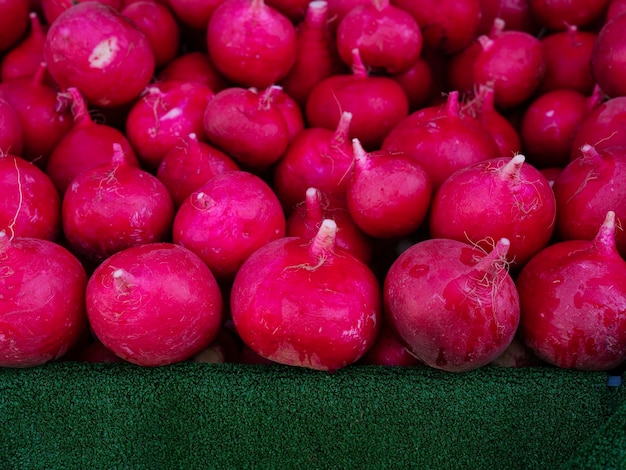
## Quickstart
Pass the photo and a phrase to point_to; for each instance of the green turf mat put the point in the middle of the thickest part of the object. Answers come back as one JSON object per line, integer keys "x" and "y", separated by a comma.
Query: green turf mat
{"x": 72, "y": 415}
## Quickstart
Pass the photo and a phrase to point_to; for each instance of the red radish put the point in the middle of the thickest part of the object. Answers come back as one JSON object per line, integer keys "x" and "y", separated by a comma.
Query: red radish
{"x": 377, "y": 103}
{"x": 454, "y": 306}
{"x": 306, "y": 302}
{"x": 295, "y": 10}
{"x": 42, "y": 301}
{"x": 568, "y": 60}
{"x": 193, "y": 67}
{"x": 194, "y": 14}
{"x": 68, "y": 159}
{"x": 551, "y": 173}
{"x": 418, "y": 82}
{"x": 251, "y": 43}
{"x": 52, "y": 9}
{"x": 25, "y": 58}
{"x": 13, "y": 22}
{"x": 608, "y": 65}
{"x": 247, "y": 126}
{"x": 459, "y": 69}
{"x": 288, "y": 107}
{"x": 388, "y": 351}
{"x": 114, "y": 206}
{"x": 517, "y": 355}
{"x": 586, "y": 189}
{"x": 43, "y": 123}
{"x": 317, "y": 157}
{"x": 307, "y": 217}
{"x": 94, "y": 48}
{"x": 494, "y": 199}
{"x": 615, "y": 9}
{"x": 165, "y": 113}
{"x": 337, "y": 9}
{"x": 386, "y": 36}
{"x": 515, "y": 13}
{"x": 11, "y": 135}
{"x": 388, "y": 195}
{"x": 447, "y": 25}
{"x": 226, "y": 220}
{"x": 248, "y": 356}
{"x": 157, "y": 22}
{"x": 188, "y": 166}
{"x": 154, "y": 304}
{"x": 223, "y": 349}
{"x": 96, "y": 353}
{"x": 317, "y": 57}
{"x": 30, "y": 205}
{"x": 558, "y": 15}
{"x": 573, "y": 297}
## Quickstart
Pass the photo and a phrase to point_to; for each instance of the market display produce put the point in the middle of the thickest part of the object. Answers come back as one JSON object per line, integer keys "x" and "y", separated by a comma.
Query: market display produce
{"x": 319, "y": 184}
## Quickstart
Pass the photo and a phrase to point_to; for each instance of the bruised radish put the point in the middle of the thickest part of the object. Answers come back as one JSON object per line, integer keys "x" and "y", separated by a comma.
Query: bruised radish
{"x": 11, "y": 135}
{"x": 573, "y": 297}
{"x": 388, "y": 195}
{"x": 604, "y": 127}
{"x": 307, "y": 217}
{"x": 154, "y": 304}
{"x": 306, "y": 302}
{"x": 251, "y": 43}
{"x": 455, "y": 307}
{"x": 494, "y": 199}
{"x": 13, "y": 22}
{"x": 608, "y": 65}
{"x": 388, "y": 351}
{"x": 42, "y": 301}
{"x": 558, "y": 15}
{"x": 193, "y": 67}
{"x": 24, "y": 59}
{"x": 110, "y": 64}
{"x": 114, "y": 206}
{"x": 226, "y": 220}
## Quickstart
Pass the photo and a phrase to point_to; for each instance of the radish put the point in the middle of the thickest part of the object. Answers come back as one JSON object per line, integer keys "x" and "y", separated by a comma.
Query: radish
{"x": 516, "y": 15}
{"x": 295, "y": 10}
{"x": 13, "y": 22}
{"x": 11, "y": 135}
{"x": 24, "y": 58}
{"x": 251, "y": 43}
{"x": 42, "y": 301}
{"x": 154, "y": 304}
{"x": 307, "y": 217}
{"x": 608, "y": 66}
{"x": 68, "y": 159}
{"x": 114, "y": 206}
{"x": 615, "y": 9}
{"x": 377, "y": 103}
{"x": 388, "y": 38}
{"x": 226, "y": 220}
{"x": 586, "y": 189}
{"x": 455, "y": 307}
{"x": 573, "y": 297}
{"x": 192, "y": 14}
{"x": 96, "y": 353}
{"x": 289, "y": 108}
{"x": 419, "y": 83}
{"x": 337, "y": 9}
{"x": 189, "y": 165}
{"x": 30, "y": 205}
{"x": 494, "y": 199}
{"x": 94, "y": 48}
{"x": 52, "y": 9}
{"x": 558, "y": 15}
{"x": 193, "y": 67}
{"x": 306, "y": 302}
{"x": 517, "y": 355}
{"x": 459, "y": 70}
{"x": 388, "y": 195}
{"x": 165, "y": 113}
{"x": 223, "y": 349}
{"x": 389, "y": 351}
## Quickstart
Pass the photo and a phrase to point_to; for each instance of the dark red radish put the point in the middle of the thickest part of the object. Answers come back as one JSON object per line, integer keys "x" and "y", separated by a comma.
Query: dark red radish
{"x": 551, "y": 173}
{"x": 11, "y": 135}
{"x": 317, "y": 157}
{"x": 447, "y": 26}
{"x": 96, "y": 353}
{"x": 419, "y": 83}
{"x": 558, "y": 15}
{"x": 388, "y": 195}
{"x": 115, "y": 206}
{"x": 306, "y": 302}
{"x": 195, "y": 67}
{"x": 70, "y": 157}
{"x": 388, "y": 351}
{"x": 248, "y": 356}
{"x": 515, "y": 13}
{"x": 608, "y": 62}
{"x": 455, "y": 307}
{"x": 497, "y": 198}
{"x": 388, "y": 38}
{"x": 93, "y": 47}
{"x": 13, "y": 22}
{"x": 459, "y": 70}
{"x": 586, "y": 189}
{"x": 43, "y": 123}
{"x": 317, "y": 57}
{"x": 247, "y": 126}
{"x": 154, "y": 304}
{"x": 568, "y": 60}
{"x": 229, "y": 218}
{"x": 30, "y": 205}
{"x": 189, "y": 165}
{"x": 573, "y": 297}
{"x": 517, "y": 355}
{"x": 42, "y": 301}
{"x": 52, "y": 9}
{"x": 377, "y": 104}
{"x": 307, "y": 217}
{"x": 193, "y": 14}
{"x": 223, "y": 349}
{"x": 25, "y": 58}
{"x": 251, "y": 43}
{"x": 157, "y": 22}
{"x": 614, "y": 9}
{"x": 165, "y": 113}
{"x": 295, "y": 10}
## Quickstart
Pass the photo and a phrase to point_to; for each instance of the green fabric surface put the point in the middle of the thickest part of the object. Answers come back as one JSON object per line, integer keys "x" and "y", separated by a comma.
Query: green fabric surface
{"x": 191, "y": 415}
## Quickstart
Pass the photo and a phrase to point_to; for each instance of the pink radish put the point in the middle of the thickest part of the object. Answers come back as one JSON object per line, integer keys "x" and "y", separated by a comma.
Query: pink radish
{"x": 193, "y": 14}
{"x": 608, "y": 66}
{"x": 13, "y": 22}
{"x": 307, "y": 303}
{"x": 517, "y": 355}
{"x": 454, "y": 306}
{"x": 558, "y": 15}
{"x": 419, "y": 83}
{"x": 515, "y": 13}
{"x": 295, "y": 10}
{"x": 193, "y": 67}
{"x": 11, "y": 135}
{"x": 24, "y": 58}
{"x": 52, "y": 9}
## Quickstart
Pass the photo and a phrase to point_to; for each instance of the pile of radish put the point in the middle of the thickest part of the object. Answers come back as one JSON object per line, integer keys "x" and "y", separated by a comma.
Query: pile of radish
{"x": 316, "y": 184}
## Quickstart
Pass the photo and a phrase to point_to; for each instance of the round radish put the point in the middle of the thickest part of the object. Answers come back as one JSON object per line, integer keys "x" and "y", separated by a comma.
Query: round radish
{"x": 389, "y": 351}
{"x": 195, "y": 67}
{"x": 306, "y": 302}
{"x": 295, "y": 10}
{"x": 418, "y": 82}
{"x": 558, "y": 15}
{"x": 154, "y": 304}
{"x": 25, "y": 58}
{"x": 516, "y": 15}
{"x": 13, "y": 22}
{"x": 517, "y": 355}
{"x": 604, "y": 127}
{"x": 193, "y": 13}
{"x": 608, "y": 57}
{"x": 52, "y": 9}
{"x": 42, "y": 301}
{"x": 11, "y": 135}
{"x": 455, "y": 307}
{"x": 573, "y": 297}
